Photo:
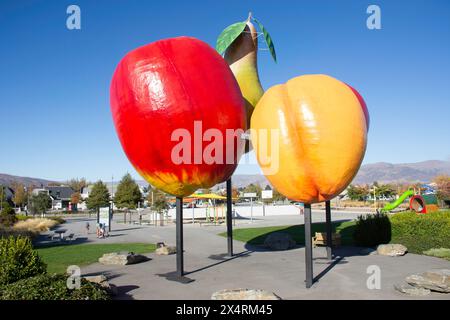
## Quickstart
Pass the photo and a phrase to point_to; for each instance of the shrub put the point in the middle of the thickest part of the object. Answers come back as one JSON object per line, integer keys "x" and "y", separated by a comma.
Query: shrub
{"x": 438, "y": 252}
{"x": 421, "y": 232}
{"x": 372, "y": 230}
{"x": 22, "y": 217}
{"x": 35, "y": 225}
{"x": 7, "y": 216}
{"x": 8, "y": 232}
{"x": 18, "y": 260}
{"x": 51, "y": 287}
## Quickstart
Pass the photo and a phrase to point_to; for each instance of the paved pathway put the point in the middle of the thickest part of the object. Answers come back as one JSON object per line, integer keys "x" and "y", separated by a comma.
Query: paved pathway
{"x": 279, "y": 272}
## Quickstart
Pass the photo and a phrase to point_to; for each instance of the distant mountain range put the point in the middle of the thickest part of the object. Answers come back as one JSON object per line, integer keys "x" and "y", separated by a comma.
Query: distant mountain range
{"x": 7, "y": 180}
{"x": 382, "y": 172}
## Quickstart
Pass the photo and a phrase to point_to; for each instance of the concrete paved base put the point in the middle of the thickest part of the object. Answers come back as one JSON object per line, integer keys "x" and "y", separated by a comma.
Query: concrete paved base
{"x": 281, "y": 272}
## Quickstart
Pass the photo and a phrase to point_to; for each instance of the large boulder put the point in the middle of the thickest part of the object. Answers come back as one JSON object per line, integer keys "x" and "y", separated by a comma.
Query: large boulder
{"x": 96, "y": 279}
{"x": 244, "y": 294}
{"x": 102, "y": 280}
{"x": 392, "y": 250}
{"x": 411, "y": 290}
{"x": 166, "y": 250}
{"x": 279, "y": 241}
{"x": 117, "y": 258}
{"x": 434, "y": 280}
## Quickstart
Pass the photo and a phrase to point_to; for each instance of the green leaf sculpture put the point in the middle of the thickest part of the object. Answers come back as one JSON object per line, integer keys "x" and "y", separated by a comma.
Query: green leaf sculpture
{"x": 229, "y": 35}
{"x": 268, "y": 39}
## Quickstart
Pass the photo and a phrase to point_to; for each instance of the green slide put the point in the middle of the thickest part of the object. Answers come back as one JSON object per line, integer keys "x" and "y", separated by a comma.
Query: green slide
{"x": 399, "y": 201}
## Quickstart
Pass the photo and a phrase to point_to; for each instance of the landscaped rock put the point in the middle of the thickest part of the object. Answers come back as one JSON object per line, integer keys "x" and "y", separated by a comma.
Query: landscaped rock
{"x": 166, "y": 250}
{"x": 244, "y": 294}
{"x": 392, "y": 250}
{"x": 434, "y": 280}
{"x": 96, "y": 279}
{"x": 102, "y": 280}
{"x": 279, "y": 241}
{"x": 117, "y": 258}
{"x": 411, "y": 290}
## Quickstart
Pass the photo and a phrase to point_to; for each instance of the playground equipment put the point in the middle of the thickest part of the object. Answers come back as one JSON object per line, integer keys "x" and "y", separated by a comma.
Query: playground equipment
{"x": 419, "y": 203}
{"x": 214, "y": 213}
{"x": 423, "y": 203}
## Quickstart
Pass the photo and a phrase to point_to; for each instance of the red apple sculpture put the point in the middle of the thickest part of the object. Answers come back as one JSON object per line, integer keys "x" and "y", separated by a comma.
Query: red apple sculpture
{"x": 178, "y": 111}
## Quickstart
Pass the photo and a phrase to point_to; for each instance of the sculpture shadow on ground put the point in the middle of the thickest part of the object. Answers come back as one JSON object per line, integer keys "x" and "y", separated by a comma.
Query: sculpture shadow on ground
{"x": 123, "y": 292}
{"x": 222, "y": 258}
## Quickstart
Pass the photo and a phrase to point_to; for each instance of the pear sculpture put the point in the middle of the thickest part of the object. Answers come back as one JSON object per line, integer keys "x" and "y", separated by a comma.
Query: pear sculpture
{"x": 239, "y": 45}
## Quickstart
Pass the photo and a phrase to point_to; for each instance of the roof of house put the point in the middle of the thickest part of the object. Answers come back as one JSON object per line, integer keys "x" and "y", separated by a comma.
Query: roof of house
{"x": 9, "y": 192}
{"x": 60, "y": 193}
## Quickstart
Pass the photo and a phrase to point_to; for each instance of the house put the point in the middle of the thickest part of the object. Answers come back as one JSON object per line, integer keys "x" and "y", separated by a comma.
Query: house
{"x": 7, "y": 193}
{"x": 60, "y": 195}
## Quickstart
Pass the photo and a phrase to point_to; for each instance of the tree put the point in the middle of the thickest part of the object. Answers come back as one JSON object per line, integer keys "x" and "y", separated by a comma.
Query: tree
{"x": 253, "y": 188}
{"x": 20, "y": 195}
{"x": 385, "y": 190}
{"x": 357, "y": 193}
{"x": 7, "y": 216}
{"x": 75, "y": 198}
{"x": 128, "y": 194}
{"x": 3, "y": 200}
{"x": 442, "y": 187}
{"x": 277, "y": 196}
{"x": 98, "y": 197}
{"x": 40, "y": 203}
{"x": 76, "y": 184}
{"x": 234, "y": 192}
{"x": 160, "y": 203}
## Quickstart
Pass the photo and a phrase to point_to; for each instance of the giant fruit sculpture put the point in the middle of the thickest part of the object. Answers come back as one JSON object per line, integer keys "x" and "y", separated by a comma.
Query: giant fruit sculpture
{"x": 168, "y": 85}
{"x": 322, "y": 128}
{"x": 239, "y": 45}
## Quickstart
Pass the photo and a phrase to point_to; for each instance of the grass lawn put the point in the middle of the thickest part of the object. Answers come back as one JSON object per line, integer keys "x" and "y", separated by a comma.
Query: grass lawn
{"x": 256, "y": 236}
{"x": 59, "y": 257}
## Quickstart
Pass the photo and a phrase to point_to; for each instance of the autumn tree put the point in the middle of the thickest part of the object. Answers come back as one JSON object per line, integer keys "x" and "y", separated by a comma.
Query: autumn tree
{"x": 20, "y": 195}
{"x": 75, "y": 198}
{"x": 442, "y": 187}
{"x": 77, "y": 185}
{"x": 128, "y": 194}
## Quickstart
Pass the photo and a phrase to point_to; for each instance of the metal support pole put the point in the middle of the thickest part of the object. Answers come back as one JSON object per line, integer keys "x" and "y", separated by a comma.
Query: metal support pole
{"x": 110, "y": 217}
{"x": 308, "y": 246}
{"x": 229, "y": 218}
{"x": 251, "y": 209}
{"x": 329, "y": 230}
{"x": 179, "y": 232}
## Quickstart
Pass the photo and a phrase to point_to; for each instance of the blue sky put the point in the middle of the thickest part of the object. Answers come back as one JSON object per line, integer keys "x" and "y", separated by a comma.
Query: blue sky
{"x": 54, "y": 82}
